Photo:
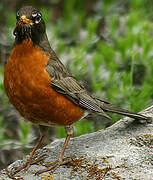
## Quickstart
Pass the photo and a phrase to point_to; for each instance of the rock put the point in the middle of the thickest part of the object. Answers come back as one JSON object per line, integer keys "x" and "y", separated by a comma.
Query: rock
{"x": 122, "y": 151}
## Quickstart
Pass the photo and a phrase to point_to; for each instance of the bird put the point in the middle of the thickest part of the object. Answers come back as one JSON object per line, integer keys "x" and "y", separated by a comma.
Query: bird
{"x": 41, "y": 88}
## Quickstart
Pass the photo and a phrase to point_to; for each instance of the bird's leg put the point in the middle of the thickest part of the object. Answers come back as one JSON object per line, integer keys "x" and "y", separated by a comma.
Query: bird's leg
{"x": 69, "y": 132}
{"x": 43, "y": 130}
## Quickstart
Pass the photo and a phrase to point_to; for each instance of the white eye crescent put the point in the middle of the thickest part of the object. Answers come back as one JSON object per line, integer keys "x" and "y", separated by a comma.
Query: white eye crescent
{"x": 38, "y": 20}
{"x": 17, "y": 15}
{"x": 39, "y": 14}
{"x": 34, "y": 14}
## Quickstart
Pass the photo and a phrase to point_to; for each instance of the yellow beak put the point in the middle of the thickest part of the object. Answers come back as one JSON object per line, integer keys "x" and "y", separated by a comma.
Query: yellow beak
{"x": 26, "y": 20}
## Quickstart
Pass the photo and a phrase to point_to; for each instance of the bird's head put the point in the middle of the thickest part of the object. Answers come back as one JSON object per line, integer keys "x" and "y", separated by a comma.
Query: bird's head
{"x": 30, "y": 24}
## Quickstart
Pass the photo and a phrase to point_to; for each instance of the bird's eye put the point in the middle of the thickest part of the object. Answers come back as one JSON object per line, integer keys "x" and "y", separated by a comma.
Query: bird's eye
{"x": 36, "y": 17}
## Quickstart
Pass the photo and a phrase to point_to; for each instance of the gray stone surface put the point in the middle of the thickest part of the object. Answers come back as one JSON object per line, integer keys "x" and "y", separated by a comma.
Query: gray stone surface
{"x": 122, "y": 151}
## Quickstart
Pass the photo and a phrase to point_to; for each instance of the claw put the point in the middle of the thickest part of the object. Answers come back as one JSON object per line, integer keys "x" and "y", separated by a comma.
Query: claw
{"x": 24, "y": 166}
{"x": 54, "y": 167}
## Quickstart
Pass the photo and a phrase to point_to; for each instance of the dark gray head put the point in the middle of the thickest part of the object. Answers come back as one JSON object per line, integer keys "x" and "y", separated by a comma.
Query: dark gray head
{"x": 30, "y": 25}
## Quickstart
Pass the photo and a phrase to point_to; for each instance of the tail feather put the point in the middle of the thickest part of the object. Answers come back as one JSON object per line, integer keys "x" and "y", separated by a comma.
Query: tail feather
{"x": 110, "y": 108}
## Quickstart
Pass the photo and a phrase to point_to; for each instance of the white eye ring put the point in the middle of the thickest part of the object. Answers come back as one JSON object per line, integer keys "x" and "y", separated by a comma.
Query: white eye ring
{"x": 37, "y": 17}
{"x": 39, "y": 14}
{"x": 36, "y": 14}
{"x": 37, "y": 21}
{"x": 17, "y": 14}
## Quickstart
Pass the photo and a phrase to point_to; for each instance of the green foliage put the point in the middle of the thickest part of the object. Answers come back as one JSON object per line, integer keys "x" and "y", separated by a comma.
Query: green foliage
{"x": 25, "y": 131}
{"x": 82, "y": 127}
{"x": 2, "y": 129}
{"x": 1, "y": 80}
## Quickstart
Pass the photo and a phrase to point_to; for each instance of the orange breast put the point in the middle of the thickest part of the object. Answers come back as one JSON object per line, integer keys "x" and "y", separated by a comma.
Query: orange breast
{"x": 28, "y": 87}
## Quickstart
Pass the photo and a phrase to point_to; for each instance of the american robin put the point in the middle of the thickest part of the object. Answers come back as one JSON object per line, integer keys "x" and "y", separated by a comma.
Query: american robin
{"x": 40, "y": 87}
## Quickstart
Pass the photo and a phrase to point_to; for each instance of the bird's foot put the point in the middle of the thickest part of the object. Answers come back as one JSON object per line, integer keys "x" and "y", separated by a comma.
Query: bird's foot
{"x": 54, "y": 166}
{"x": 25, "y": 166}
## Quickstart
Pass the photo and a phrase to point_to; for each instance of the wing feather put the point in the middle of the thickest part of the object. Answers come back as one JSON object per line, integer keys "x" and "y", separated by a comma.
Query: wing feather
{"x": 65, "y": 84}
